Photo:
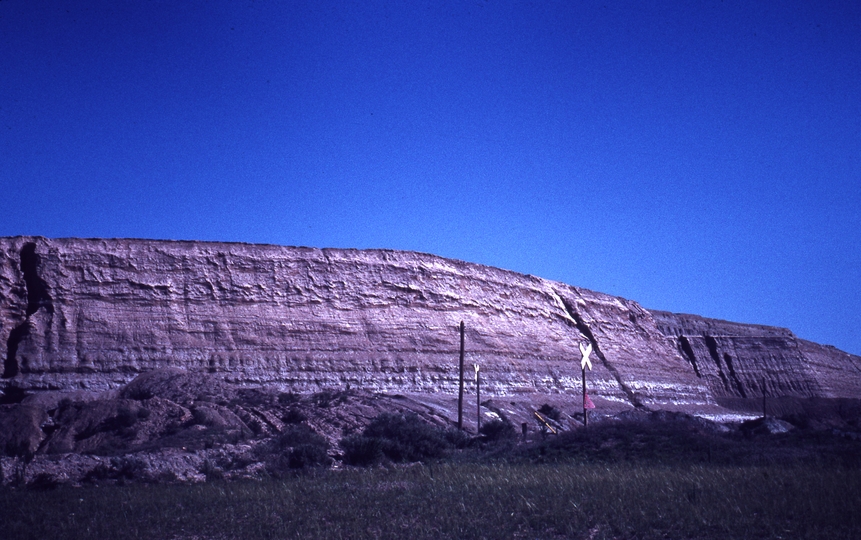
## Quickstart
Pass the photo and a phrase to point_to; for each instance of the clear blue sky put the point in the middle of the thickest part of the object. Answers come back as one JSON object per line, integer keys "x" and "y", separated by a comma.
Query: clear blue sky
{"x": 700, "y": 157}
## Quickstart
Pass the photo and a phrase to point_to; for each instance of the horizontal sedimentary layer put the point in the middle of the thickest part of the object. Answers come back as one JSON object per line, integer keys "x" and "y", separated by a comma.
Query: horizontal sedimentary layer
{"x": 77, "y": 313}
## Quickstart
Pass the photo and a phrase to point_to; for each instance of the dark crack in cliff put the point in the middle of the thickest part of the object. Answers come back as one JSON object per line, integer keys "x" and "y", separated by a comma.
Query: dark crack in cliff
{"x": 688, "y": 353}
{"x": 733, "y": 375}
{"x": 37, "y": 289}
{"x": 711, "y": 344}
{"x": 587, "y": 332}
{"x": 37, "y": 298}
{"x": 10, "y": 366}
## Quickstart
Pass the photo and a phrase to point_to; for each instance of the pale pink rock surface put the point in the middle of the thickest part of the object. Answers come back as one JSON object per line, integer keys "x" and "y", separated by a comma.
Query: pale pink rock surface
{"x": 94, "y": 313}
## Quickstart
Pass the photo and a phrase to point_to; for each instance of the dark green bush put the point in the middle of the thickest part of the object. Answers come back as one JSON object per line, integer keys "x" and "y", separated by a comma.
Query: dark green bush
{"x": 286, "y": 398}
{"x": 668, "y": 441}
{"x": 44, "y": 481}
{"x": 120, "y": 469}
{"x": 362, "y": 451}
{"x": 498, "y": 430}
{"x": 212, "y": 470}
{"x": 457, "y": 438}
{"x": 299, "y": 434}
{"x": 550, "y": 412}
{"x": 327, "y": 398}
{"x": 400, "y": 438}
{"x": 299, "y": 447}
{"x": 307, "y": 456}
{"x": 122, "y": 422}
{"x": 294, "y": 416}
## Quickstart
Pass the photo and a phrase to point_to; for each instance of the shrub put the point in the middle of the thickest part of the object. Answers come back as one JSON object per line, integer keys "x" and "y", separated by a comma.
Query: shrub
{"x": 300, "y": 434}
{"x": 799, "y": 420}
{"x": 165, "y": 477}
{"x": 286, "y": 398}
{"x": 18, "y": 447}
{"x": 400, "y": 438}
{"x": 122, "y": 423}
{"x": 120, "y": 469}
{"x": 44, "y": 481}
{"x": 498, "y": 430}
{"x": 102, "y": 471}
{"x": 550, "y": 412}
{"x": 362, "y": 451}
{"x": 307, "y": 456}
{"x": 212, "y": 471}
{"x": 294, "y": 416}
{"x": 128, "y": 468}
{"x": 64, "y": 403}
{"x": 327, "y": 398}
{"x": 111, "y": 446}
{"x": 457, "y": 438}
{"x": 299, "y": 447}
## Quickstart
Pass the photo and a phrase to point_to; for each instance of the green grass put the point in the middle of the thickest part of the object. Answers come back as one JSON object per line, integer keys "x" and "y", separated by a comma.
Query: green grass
{"x": 462, "y": 500}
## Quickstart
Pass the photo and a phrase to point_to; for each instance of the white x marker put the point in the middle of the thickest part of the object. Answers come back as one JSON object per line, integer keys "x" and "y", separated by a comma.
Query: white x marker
{"x": 586, "y": 351}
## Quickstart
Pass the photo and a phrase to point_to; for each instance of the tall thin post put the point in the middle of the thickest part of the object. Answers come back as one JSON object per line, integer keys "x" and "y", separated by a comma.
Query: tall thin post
{"x": 764, "y": 411}
{"x": 460, "y": 392}
{"x": 478, "y": 397}
{"x": 585, "y": 410}
{"x": 585, "y": 350}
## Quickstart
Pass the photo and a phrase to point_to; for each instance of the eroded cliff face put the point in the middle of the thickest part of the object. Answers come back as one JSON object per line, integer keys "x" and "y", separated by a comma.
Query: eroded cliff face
{"x": 741, "y": 362}
{"x": 92, "y": 314}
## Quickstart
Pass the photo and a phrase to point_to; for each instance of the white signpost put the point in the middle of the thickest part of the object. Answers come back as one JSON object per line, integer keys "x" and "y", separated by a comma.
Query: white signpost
{"x": 585, "y": 350}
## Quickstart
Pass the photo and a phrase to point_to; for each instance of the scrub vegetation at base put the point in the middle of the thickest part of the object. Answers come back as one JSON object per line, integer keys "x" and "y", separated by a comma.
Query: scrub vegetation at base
{"x": 461, "y": 500}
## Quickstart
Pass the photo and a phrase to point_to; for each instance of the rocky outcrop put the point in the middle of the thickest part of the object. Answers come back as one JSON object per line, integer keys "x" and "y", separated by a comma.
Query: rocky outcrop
{"x": 92, "y": 314}
{"x": 742, "y": 362}
{"x": 174, "y": 425}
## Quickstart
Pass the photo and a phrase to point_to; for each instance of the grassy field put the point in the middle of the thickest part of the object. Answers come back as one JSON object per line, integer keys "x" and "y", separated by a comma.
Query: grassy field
{"x": 462, "y": 500}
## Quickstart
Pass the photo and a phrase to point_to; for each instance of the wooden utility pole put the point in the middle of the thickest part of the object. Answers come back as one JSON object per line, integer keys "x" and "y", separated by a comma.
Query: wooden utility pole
{"x": 460, "y": 393}
{"x": 478, "y": 397}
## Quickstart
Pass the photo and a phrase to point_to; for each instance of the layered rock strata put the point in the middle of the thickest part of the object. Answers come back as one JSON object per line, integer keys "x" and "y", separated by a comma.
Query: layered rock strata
{"x": 92, "y": 314}
{"x": 741, "y": 363}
